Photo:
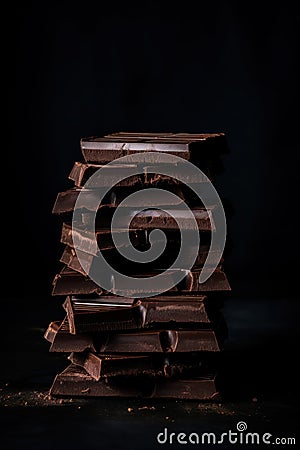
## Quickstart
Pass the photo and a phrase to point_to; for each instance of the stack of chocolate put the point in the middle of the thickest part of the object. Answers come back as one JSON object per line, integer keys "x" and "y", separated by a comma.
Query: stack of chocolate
{"x": 137, "y": 344}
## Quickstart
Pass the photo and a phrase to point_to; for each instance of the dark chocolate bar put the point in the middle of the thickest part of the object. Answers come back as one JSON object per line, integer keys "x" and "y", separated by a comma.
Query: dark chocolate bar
{"x": 148, "y": 341}
{"x": 172, "y": 365}
{"x": 70, "y": 282}
{"x": 148, "y": 176}
{"x": 70, "y": 258}
{"x": 88, "y": 315}
{"x": 74, "y": 381}
{"x": 65, "y": 201}
{"x": 187, "y": 146}
{"x": 139, "y": 238}
{"x": 153, "y": 218}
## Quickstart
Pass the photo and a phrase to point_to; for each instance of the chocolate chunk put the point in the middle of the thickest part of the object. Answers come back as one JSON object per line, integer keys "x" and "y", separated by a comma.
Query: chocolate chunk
{"x": 146, "y": 341}
{"x": 99, "y": 365}
{"x": 173, "y": 219}
{"x": 88, "y": 315}
{"x": 74, "y": 381}
{"x": 154, "y": 218}
{"x": 66, "y": 201}
{"x": 148, "y": 176}
{"x": 139, "y": 238}
{"x": 70, "y": 258}
{"x": 187, "y": 146}
{"x": 70, "y": 282}
{"x": 148, "y": 219}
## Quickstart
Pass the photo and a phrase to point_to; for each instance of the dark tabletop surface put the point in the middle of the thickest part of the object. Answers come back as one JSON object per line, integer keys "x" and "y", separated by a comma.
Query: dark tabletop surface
{"x": 257, "y": 379}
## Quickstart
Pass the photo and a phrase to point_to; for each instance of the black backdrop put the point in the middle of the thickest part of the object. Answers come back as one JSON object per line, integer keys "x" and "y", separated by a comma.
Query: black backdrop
{"x": 91, "y": 68}
{"x": 98, "y": 67}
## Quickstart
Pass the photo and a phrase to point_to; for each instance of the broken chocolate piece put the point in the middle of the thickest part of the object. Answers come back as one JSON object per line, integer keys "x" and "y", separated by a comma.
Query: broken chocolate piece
{"x": 99, "y": 365}
{"x": 88, "y": 263}
{"x": 74, "y": 381}
{"x": 170, "y": 219}
{"x": 154, "y": 341}
{"x": 89, "y": 315}
{"x": 91, "y": 199}
{"x": 70, "y": 282}
{"x": 187, "y": 146}
{"x": 148, "y": 176}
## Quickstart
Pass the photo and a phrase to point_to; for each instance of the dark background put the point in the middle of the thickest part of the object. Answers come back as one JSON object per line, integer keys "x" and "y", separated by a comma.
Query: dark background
{"x": 91, "y": 68}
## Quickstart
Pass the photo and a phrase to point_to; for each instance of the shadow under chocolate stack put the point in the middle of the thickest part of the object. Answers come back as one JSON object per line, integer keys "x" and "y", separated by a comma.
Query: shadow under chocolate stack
{"x": 162, "y": 345}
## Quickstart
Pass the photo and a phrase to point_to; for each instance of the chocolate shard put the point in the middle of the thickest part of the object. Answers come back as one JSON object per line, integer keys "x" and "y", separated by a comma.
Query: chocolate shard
{"x": 91, "y": 199}
{"x": 70, "y": 282}
{"x": 147, "y": 176}
{"x": 58, "y": 334}
{"x": 143, "y": 342}
{"x": 139, "y": 238}
{"x": 85, "y": 238}
{"x": 100, "y": 366}
{"x": 187, "y": 146}
{"x": 153, "y": 218}
{"x": 89, "y": 315}
{"x": 74, "y": 381}
{"x": 172, "y": 219}
{"x": 86, "y": 263}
